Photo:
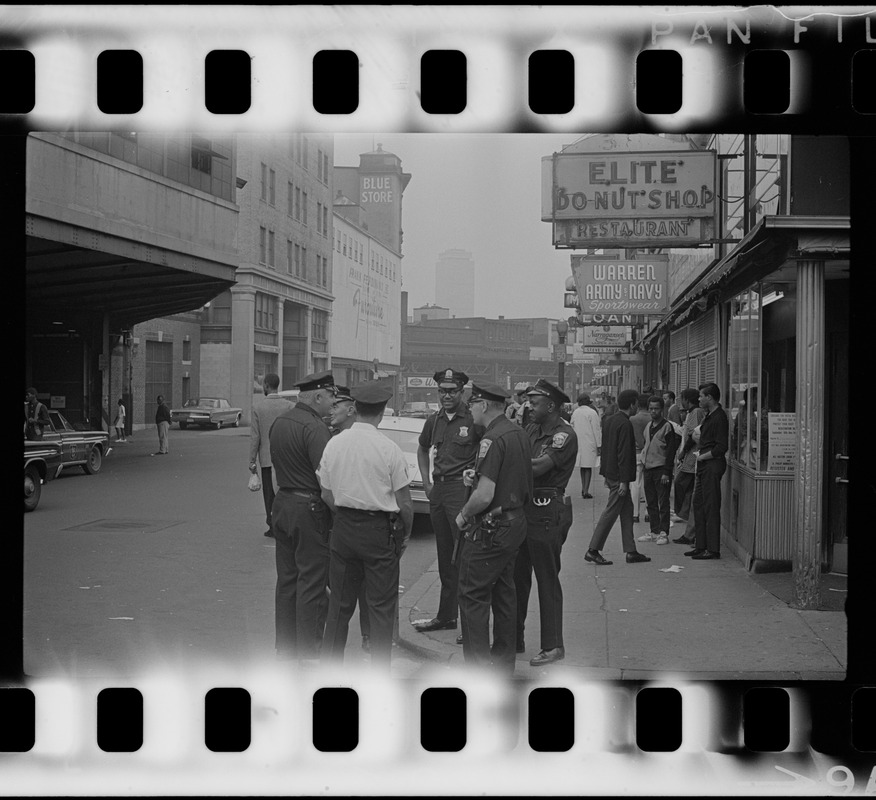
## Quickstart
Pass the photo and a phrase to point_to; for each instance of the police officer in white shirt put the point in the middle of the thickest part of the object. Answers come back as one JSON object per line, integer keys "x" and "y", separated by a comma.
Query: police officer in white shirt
{"x": 365, "y": 481}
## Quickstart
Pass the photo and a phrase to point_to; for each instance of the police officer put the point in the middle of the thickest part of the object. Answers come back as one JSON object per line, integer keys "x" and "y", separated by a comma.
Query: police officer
{"x": 454, "y": 437}
{"x": 301, "y": 520}
{"x": 364, "y": 477}
{"x": 548, "y": 518}
{"x": 494, "y": 526}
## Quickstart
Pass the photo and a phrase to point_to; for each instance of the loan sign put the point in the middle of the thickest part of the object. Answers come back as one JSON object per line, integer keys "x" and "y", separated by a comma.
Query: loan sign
{"x": 629, "y": 286}
{"x": 629, "y": 199}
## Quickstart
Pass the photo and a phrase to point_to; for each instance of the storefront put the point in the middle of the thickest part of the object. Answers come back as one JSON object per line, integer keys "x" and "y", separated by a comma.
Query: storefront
{"x": 769, "y": 324}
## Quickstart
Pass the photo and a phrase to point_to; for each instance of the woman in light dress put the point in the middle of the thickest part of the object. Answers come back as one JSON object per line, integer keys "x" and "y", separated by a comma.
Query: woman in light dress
{"x": 119, "y": 423}
{"x": 585, "y": 421}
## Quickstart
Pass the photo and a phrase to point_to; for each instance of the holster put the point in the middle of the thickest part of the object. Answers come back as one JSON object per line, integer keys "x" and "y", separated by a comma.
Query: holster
{"x": 396, "y": 532}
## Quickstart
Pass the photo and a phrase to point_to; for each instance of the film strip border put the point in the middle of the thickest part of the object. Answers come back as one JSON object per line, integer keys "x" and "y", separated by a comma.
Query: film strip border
{"x": 442, "y": 69}
{"x": 690, "y": 738}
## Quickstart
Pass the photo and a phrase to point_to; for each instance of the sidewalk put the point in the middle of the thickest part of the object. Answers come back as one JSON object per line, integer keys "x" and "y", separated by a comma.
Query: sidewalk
{"x": 710, "y": 621}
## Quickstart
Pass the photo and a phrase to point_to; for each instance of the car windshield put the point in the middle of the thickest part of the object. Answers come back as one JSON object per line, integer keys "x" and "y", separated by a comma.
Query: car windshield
{"x": 408, "y": 441}
{"x": 208, "y": 402}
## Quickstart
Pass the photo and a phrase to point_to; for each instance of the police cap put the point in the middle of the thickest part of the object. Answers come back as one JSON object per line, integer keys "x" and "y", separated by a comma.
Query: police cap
{"x": 450, "y": 377}
{"x": 343, "y": 393}
{"x": 316, "y": 380}
{"x": 547, "y": 389}
{"x": 489, "y": 391}
{"x": 371, "y": 393}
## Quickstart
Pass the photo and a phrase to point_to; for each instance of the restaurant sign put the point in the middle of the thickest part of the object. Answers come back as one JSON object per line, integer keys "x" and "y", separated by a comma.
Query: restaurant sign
{"x": 630, "y": 199}
{"x": 630, "y": 286}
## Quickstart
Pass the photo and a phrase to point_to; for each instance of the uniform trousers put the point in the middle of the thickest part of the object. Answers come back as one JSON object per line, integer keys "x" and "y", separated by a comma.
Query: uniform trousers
{"x": 617, "y": 506}
{"x": 684, "y": 483}
{"x": 362, "y": 549}
{"x": 301, "y": 531}
{"x": 445, "y": 502}
{"x": 486, "y": 580}
{"x": 267, "y": 493}
{"x": 707, "y": 503}
{"x": 163, "y": 428}
{"x": 546, "y": 531}
{"x": 657, "y": 499}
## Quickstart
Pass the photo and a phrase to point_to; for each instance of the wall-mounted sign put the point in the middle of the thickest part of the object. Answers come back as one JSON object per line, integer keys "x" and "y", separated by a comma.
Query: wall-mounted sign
{"x": 630, "y": 199}
{"x": 782, "y": 455}
{"x": 611, "y": 337}
{"x": 58, "y": 401}
{"x": 631, "y": 286}
{"x": 612, "y": 319}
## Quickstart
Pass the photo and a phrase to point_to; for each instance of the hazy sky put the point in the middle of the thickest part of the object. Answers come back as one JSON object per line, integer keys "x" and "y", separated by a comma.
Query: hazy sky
{"x": 481, "y": 193}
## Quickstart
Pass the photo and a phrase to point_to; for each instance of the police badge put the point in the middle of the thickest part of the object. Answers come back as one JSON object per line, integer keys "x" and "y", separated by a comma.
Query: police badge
{"x": 463, "y": 431}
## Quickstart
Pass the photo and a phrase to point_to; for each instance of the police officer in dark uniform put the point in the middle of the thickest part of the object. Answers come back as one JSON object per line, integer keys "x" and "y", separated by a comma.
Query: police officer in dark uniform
{"x": 494, "y": 526}
{"x": 301, "y": 521}
{"x": 454, "y": 436}
{"x": 548, "y": 518}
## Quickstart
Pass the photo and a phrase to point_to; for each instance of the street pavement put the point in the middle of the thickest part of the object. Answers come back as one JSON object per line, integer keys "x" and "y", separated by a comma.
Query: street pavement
{"x": 709, "y": 620}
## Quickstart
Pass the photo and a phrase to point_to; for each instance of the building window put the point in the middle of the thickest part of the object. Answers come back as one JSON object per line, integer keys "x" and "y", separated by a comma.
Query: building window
{"x": 290, "y": 262}
{"x": 325, "y": 229}
{"x": 304, "y": 155}
{"x": 187, "y": 350}
{"x": 290, "y": 198}
{"x": 325, "y": 168}
{"x": 319, "y": 325}
{"x": 337, "y": 240}
{"x": 263, "y": 245}
{"x": 272, "y": 180}
{"x": 271, "y": 261}
{"x": 303, "y": 263}
{"x": 265, "y": 312}
{"x": 345, "y": 244}
{"x": 202, "y": 155}
{"x": 264, "y": 182}
{"x": 298, "y": 202}
{"x": 304, "y": 207}
{"x": 319, "y": 165}
{"x": 297, "y": 261}
{"x": 319, "y": 217}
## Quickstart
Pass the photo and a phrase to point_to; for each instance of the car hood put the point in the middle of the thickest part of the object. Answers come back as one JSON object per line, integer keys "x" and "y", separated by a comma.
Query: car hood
{"x": 413, "y": 467}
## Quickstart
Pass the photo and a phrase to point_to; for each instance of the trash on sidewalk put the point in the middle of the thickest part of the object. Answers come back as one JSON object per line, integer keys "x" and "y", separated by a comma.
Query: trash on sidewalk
{"x": 673, "y": 568}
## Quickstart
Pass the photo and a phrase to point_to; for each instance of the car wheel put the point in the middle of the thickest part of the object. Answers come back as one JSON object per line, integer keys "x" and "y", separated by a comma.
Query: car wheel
{"x": 95, "y": 461}
{"x": 237, "y": 421}
{"x": 33, "y": 488}
{"x": 183, "y": 425}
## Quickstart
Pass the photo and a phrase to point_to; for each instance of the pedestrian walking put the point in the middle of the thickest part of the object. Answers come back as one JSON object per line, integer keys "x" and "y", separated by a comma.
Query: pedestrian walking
{"x": 585, "y": 421}
{"x": 640, "y": 420}
{"x": 493, "y": 524}
{"x": 301, "y": 520}
{"x": 36, "y": 416}
{"x": 658, "y": 459}
{"x": 711, "y": 464}
{"x": 264, "y": 413}
{"x": 162, "y": 423}
{"x": 617, "y": 464}
{"x": 365, "y": 480}
{"x": 451, "y": 435}
{"x": 119, "y": 422}
{"x": 548, "y": 519}
{"x": 686, "y": 460}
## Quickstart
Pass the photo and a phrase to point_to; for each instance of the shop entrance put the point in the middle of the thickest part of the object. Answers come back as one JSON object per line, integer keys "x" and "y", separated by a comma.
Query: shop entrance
{"x": 836, "y": 455}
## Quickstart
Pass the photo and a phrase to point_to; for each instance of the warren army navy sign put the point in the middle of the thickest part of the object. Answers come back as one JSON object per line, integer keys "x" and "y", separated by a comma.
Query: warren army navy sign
{"x": 628, "y": 286}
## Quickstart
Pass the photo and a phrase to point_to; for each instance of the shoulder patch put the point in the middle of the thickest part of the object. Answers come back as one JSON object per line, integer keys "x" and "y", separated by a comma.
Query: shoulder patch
{"x": 484, "y": 447}
{"x": 559, "y": 440}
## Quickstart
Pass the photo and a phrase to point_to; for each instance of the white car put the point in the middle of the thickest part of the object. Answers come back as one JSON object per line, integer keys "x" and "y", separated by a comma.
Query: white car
{"x": 405, "y": 432}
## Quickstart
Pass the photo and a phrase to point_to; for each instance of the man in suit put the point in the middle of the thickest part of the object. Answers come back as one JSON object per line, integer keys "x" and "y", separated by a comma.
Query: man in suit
{"x": 618, "y": 467}
{"x": 263, "y": 415}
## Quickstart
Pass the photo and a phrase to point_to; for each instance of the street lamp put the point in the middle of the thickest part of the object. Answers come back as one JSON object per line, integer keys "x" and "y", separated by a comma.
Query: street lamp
{"x": 562, "y": 330}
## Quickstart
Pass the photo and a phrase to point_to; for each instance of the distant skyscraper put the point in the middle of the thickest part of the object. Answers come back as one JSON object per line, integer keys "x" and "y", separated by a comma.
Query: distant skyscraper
{"x": 454, "y": 282}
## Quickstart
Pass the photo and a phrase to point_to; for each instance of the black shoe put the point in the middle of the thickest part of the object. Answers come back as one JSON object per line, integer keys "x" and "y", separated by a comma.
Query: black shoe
{"x": 683, "y": 540}
{"x": 695, "y": 552}
{"x": 436, "y": 625}
{"x": 548, "y": 657}
{"x": 595, "y": 557}
{"x": 459, "y": 639}
{"x": 636, "y": 557}
{"x": 636, "y": 518}
{"x": 587, "y": 496}
{"x": 706, "y": 555}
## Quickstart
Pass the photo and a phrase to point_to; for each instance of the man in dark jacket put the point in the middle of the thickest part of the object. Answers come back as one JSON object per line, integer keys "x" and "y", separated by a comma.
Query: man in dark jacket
{"x": 162, "y": 423}
{"x": 618, "y": 467}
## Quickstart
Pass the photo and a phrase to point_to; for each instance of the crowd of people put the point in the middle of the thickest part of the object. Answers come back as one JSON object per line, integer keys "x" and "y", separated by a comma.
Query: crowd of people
{"x": 496, "y": 472}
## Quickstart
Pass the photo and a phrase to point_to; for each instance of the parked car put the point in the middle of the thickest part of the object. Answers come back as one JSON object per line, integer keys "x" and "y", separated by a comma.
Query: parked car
{"x": 290, "y": 394}
{"x": 206, "y": 412}
{"x": 418, "y": 409}
{"x": 79, "y": 448}
{"x": 405, "y": 432}
{"x": 42, "y": 463}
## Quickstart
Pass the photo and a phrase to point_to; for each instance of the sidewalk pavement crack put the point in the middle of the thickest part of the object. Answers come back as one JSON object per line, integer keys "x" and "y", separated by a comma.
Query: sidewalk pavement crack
{"x": 824, "y": 644}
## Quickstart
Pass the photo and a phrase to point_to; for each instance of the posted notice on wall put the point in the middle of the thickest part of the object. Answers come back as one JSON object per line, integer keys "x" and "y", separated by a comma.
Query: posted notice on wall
{"x": 782, "y": 441}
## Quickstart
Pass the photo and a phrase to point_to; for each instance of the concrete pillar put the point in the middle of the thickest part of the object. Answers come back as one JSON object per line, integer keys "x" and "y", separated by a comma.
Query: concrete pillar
{"x": 242, "y": 348}
{"x": 308, "y": 352}
{"x": 280, "y": 309}
{"x": 809, "y": 478}
{"x": 106, "y": 375}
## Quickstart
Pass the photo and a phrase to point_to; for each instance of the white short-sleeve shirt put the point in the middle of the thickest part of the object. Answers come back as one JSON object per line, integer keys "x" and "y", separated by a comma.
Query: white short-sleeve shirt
{"x": 363, "y": 469}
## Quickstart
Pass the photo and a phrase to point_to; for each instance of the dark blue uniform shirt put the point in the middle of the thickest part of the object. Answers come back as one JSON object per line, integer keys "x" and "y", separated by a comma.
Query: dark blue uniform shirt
{"x": 504, "y": 456}
{"x": 560, "y": 442}
{"x": 298, "y": 437}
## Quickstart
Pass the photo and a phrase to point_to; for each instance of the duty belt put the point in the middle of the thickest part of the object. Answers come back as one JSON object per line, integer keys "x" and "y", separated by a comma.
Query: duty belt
{"x": 445, "y": 478}
{"x": 543, "y": 495}
{"x": 505, "y": 516}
